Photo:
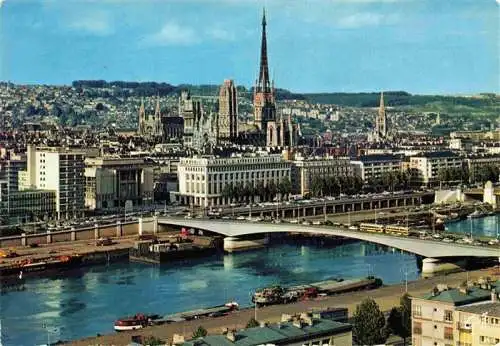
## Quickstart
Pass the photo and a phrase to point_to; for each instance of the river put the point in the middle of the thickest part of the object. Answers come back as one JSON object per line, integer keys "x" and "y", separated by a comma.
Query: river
{"x": 88, "y": 301}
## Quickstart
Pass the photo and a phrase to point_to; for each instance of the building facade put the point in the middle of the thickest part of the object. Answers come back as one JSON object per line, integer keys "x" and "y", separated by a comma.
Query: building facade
{"x": 202, "y": 179}
{"x": 150, "y": 125}
{"x": 478, "y": 324}
{"x": 227, "y": 121}
{"x": 61, "y": 170}
{"x": 112, "y": 181}
{"x": 428, "y": 165}
{"x": 436, "y": 322}
{"x": 370, "y": 167}
{"x": 305, "y": 170}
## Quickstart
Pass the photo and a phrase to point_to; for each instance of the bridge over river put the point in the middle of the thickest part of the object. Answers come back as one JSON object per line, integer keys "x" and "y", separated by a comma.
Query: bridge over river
{"x": 433, "y": 251}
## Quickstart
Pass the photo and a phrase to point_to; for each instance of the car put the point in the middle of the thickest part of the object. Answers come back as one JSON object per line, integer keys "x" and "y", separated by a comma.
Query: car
{"x": 317, "y": 222}
{"x": 104, "y": 241}
{"x": 240, "y": 217}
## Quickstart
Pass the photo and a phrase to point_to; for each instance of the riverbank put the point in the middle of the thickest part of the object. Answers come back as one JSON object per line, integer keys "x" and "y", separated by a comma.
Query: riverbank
{"x": 386, "y": 297}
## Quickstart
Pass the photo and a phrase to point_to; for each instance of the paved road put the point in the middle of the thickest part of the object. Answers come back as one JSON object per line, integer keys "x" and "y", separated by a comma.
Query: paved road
{"x": 386, "y": 297}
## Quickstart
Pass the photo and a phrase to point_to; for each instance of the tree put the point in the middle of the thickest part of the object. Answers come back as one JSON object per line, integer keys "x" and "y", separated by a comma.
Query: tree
{"x": 369, "y": 324}
{"x": 152, "y": 341}
{"x": 200, "y": 333}
{"x": 285, "y": 187}
{"x": 228, "y": 192}
{"x": 399, "y": 320}
{"x": 252, "y": 323}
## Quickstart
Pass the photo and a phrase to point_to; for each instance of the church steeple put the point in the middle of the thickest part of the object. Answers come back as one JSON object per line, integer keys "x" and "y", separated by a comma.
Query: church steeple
{"x": 382, "y": 106}
{"x": 264, "y": 83}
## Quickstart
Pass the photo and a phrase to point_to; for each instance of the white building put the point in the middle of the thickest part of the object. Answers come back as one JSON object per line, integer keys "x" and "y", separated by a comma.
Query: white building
{"x": 429, "y": 164}
{"x": 202, "y": 179}
{"x": 60, "y": 170}
{"x": 375, "y": 166}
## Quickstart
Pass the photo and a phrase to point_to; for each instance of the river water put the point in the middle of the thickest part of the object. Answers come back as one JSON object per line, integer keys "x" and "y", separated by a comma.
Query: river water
{"x": 88, "y": 301}
{"x": 485, "y": 226}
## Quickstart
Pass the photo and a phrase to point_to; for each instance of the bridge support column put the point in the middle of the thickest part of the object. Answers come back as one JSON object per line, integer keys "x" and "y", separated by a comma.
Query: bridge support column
{"x": 304, "y": 213}
{"x": 155, "y": 224}
{"x": 432, "y": 266}
{"x": 119, "y": 228}
{"x": 96, "y": 231}
{"x": 24, "y": 241}
{"x": 139, "y": 226}
{"x": 49, "y": 237}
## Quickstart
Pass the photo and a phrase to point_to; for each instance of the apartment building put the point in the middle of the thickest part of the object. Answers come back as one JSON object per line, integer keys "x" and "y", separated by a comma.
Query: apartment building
{"x": 60, "y": 170}
{"x": 305, "y": 170}
{"x": 202, "y": 179}
{"x": 440, "y": 318}
{"x": 429, "y": 164}
{"x": 478, "y": 324}
{"x": 375, "y": 166}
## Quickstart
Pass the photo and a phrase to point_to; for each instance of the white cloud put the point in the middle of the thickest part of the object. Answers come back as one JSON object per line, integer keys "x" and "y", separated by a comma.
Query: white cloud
{"x": 362, "y": 19}
{"x": 96, "y": 23}
{"x": 1, "y": 3}
{"x": 221, "y": 34}
{"x": 173, "y": 34}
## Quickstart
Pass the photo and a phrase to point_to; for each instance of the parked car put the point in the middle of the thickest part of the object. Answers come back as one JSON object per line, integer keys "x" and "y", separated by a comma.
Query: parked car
{"x": 104, "y": 241}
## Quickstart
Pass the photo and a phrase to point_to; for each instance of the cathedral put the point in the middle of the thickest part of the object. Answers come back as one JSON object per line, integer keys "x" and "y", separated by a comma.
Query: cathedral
{"x": 150, "y": 126}
{"x": 276, "y": 129}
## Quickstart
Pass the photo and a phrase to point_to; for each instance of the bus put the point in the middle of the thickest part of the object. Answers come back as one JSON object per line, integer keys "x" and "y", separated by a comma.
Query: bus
{"x": 372, "y": 227}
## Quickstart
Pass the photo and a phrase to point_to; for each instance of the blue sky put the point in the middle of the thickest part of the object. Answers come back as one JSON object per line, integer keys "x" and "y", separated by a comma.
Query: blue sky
{"x": 421, "y": 46}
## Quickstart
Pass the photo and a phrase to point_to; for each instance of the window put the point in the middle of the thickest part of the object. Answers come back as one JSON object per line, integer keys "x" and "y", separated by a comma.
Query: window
{"x": 448, "y": 333}
{"x": 417, "y": 328}
{"x": 448, "y": 316}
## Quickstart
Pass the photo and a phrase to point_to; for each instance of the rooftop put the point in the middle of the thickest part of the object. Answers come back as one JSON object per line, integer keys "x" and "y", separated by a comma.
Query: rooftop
{"x": 460, "y": 296}
{"x": 378, "y": 158}
{"x": 277, "y": 333}
{"x": 490, "y": 308}
{"x": 437, "y": 154}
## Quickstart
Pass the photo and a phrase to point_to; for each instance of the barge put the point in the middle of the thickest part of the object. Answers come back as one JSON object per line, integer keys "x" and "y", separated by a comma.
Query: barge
{"x": 283, "y": 295}
{"x": 214, "y": 311}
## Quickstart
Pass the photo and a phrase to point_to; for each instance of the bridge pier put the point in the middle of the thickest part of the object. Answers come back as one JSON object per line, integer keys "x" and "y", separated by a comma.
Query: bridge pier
{"x": 431, "y": 266}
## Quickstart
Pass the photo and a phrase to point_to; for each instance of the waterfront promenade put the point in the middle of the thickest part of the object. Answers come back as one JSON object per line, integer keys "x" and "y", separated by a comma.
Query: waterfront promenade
{"x": 386, "y": 297}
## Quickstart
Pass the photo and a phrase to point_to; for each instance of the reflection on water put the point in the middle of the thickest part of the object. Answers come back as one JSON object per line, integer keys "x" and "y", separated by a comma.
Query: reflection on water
{"x": 485, "y": 226}
{"x": 88, "y": 301}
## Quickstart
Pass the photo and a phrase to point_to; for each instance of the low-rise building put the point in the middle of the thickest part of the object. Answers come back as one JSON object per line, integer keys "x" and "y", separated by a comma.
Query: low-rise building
{"x": 32, "y": 205}
{"x": 305, "y": 170}
{"x": 478, "y": 324}
{"x": 429, "y": 164}
{"x": 296, "y": 331}
{"x": 202, "y": 179}
{"x": 434, "y": 315}
{"x": 370, "y": 167}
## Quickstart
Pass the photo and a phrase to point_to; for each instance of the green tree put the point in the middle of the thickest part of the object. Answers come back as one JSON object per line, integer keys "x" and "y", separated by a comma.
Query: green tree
{"x": 369, "y": 324}
{"x": 200, "y": 333}
{"x": 399, "y": 320}
{"x": 228, "y": 192}
{"x": 260, "y": 190}
{"x": 317, "y": 186}
{"x": 272, "y": 190}
{"x": 252, "y": 323}
{"x": 153, "y": 341}
{"x": 285, "y": 187}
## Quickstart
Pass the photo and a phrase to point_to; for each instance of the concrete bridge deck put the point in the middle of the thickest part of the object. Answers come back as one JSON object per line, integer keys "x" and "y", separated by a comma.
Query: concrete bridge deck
{"x": 425, "y": 248}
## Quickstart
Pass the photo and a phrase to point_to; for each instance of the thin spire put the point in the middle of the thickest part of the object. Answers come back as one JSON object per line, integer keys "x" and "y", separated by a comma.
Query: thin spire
{"x": 264, "y": 83}
{"x": 382, "y": 106}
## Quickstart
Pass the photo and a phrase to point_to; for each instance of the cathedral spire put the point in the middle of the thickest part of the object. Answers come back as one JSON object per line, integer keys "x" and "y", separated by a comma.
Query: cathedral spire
{"x": 264, "y": 83}
{"x": 382, "y": 106}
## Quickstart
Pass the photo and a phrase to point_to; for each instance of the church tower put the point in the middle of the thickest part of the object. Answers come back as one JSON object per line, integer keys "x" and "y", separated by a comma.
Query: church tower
{"x": 381, "y": 121}
{"x": 263, "y": 100}
{"x": 227, "y": 121}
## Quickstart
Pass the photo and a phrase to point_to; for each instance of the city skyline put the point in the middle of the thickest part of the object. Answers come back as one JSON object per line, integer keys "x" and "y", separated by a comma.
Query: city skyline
{"x": 347, "y": 46}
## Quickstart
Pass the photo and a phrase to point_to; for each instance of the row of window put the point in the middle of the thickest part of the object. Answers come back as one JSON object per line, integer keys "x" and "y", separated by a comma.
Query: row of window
{"x": 238, "y": 175}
